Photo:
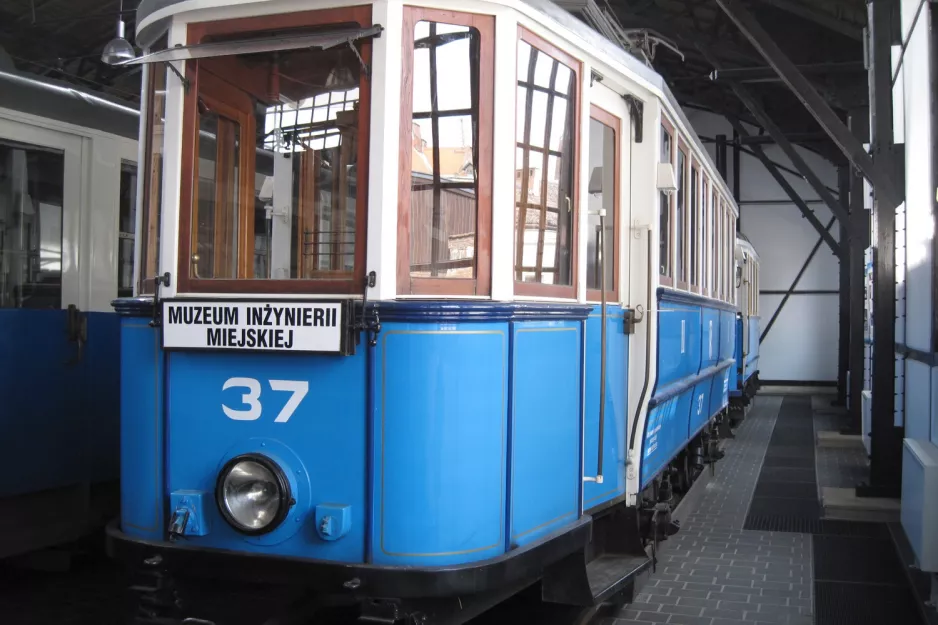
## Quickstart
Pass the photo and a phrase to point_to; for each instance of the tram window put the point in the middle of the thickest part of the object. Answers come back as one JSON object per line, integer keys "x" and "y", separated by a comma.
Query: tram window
{"x": 545, "y": 165}
{"x": 276, "y": 193}
{"x": 718, "y": 241}
{"x": 446, "y": 153}
{"x": 713, "y": 243}
{"x": 705, "y": 235}
{"x": 664, "y": 207}
{"x": 127, "y": 221}
{"x": 679, "y": 234}
{"x": 31, "y": 201}
{"x": 693, "y": 235}
{"x": 603, "y": 194}
{"x": 153, "y": 173}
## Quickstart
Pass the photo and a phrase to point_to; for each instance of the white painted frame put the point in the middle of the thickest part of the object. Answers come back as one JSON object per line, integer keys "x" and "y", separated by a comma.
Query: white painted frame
{"x": 91, "y": 202}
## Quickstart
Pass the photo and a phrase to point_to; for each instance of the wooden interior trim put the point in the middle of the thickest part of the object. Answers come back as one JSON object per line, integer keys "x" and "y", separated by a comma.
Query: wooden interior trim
{"x": 482, "y": 283}
{"x": 233, "y": 105}
{"x": 152, "y": 163}
{"x": 536, "y": 289}
{"x": 610, "y": 120}
{"x": 333, "y": 284}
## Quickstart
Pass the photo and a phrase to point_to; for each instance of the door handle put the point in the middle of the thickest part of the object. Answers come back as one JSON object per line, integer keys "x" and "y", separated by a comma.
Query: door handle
{"x": 76, "y": 328}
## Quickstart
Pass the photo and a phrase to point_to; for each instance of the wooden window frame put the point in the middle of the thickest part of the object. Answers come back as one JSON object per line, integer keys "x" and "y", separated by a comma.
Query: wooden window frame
{"x": 608, "y": 119}
{"x": 667, "y": 279}
{"x": 234, "y": 105}
{"x": 351, "y": 285}
{"x": 481, "y": 284}
{"x": 536, "y": 289}
{"x": 683, "y": 148}
{"x": 151, "y": 203}
{"x": 693, "y": 237}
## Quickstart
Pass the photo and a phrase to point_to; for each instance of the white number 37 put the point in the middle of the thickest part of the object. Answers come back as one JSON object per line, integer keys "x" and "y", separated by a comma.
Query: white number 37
{"x": 252, "y": 398}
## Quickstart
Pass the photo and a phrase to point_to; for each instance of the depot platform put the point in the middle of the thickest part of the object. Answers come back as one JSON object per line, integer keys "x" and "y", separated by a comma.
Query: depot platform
{"x": 759, "y": 547}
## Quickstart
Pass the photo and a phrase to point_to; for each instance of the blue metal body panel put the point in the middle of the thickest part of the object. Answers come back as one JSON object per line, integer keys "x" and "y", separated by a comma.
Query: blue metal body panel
{"x": 321, "y": 447}
{"x": 441, "y": 443}
{"x": 546, "y": 407}
{"x": 61, "y": 409}
{"x": 615, "y": 429}
{"x": 736, "y": 381}
{"x": 752, "y": 359}
{"x": 745, "y": 366}
{"x": 142, "y": 430}
{"x": 695, "y": 343}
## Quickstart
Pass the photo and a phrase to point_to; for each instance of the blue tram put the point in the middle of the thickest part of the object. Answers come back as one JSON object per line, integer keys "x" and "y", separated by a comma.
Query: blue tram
{"x": 745, "y": 378}
{"x": 67, "y": 220}
{"x": 415, "y": 330}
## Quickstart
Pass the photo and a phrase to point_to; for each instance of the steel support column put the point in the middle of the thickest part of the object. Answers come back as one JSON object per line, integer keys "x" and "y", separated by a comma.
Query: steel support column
{"x": 885, "y": 438}
{"x": 790, "y": 191}
{"x": 843, "y": 335}
{"x": 879, "y": 176}
{"x": 721, "y": 156}
{"x": 859, "y": 122}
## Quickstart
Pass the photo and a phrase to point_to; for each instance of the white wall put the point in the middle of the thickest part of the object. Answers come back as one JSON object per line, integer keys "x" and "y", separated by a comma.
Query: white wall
{"x": 802, "y": 344}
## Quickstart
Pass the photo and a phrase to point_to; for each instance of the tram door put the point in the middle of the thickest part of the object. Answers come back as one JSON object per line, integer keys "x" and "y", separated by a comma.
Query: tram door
{"x": 742, "y": 297}
{"x": 40, "y": 373}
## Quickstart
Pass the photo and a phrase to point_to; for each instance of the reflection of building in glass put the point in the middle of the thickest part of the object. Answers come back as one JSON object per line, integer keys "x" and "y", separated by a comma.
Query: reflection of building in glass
{"x": 543, "y": 169}
{"x": 444, "y": 144}
{"x": 31, "y": 197}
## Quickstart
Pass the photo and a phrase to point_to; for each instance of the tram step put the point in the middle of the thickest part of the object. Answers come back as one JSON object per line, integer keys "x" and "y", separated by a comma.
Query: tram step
{"x": 610, "y": 573}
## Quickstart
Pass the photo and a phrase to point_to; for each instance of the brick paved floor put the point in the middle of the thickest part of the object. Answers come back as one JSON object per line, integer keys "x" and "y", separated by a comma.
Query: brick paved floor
{"x": 713, "y": 572}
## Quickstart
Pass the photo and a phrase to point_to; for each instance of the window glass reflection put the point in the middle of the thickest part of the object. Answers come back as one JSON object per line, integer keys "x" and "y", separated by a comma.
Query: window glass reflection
{"x": 444, "y": 151}
{"x": 679, "y": 216}
{"x": 127, "y": 222}
{"x": 544, "y": 169}
{"x": 31, "y": 203}
{"x": 602, "y": 192}
{"x": 664, "y": 211}
{"x": 693, "y": 226}
{"x": 277, "y": 193}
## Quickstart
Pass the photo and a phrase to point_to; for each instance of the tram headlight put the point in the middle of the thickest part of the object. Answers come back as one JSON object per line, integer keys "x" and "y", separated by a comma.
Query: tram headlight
{"x": 253, "y": 494}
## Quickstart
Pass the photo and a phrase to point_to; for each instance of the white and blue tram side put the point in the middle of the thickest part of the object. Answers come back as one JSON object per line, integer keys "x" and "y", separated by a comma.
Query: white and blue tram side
{"x": 414, "y": 329}
{"x": 67, "y": 196}
{"x": 745, "y": 378}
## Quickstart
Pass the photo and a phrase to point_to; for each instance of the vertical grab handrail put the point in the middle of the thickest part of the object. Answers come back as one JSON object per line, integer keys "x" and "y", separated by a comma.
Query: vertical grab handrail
{"x": 602, "y": 350}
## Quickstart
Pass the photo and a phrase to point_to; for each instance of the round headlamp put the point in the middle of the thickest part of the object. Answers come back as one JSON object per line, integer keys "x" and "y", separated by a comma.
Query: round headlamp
{"x": 253, "y": 494}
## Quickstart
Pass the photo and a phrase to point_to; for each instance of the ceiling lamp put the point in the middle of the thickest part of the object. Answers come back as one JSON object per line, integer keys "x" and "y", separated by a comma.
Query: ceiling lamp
{"x": 118, "y": 49}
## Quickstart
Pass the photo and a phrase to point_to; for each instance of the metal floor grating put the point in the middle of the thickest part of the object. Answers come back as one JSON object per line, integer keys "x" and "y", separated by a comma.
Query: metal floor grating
{"x": 855, "y": 559}
{"x": 837, "y": 603}
{"x": 858, "y": 576}
{"x": 792, "y": 490}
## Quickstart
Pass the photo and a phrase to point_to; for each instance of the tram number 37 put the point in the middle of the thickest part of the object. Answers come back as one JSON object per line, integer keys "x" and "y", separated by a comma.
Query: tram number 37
{"x": 252, "y": 398}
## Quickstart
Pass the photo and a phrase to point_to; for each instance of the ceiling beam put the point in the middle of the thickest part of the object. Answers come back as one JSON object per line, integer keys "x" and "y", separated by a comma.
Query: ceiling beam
{"x": 767, "y": 74}
{"x": 879, "y": 176}
{"x": 822, "y": 18}
{"x": 790, "y": 191}
{"x": 796, "y": 159}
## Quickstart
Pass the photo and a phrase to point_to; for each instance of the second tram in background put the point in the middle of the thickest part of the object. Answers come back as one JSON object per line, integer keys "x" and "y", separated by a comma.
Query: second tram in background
{"x": 415, "y": 331}
{"x": 68, "y": 178}
{"x": 744, "y": 382}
